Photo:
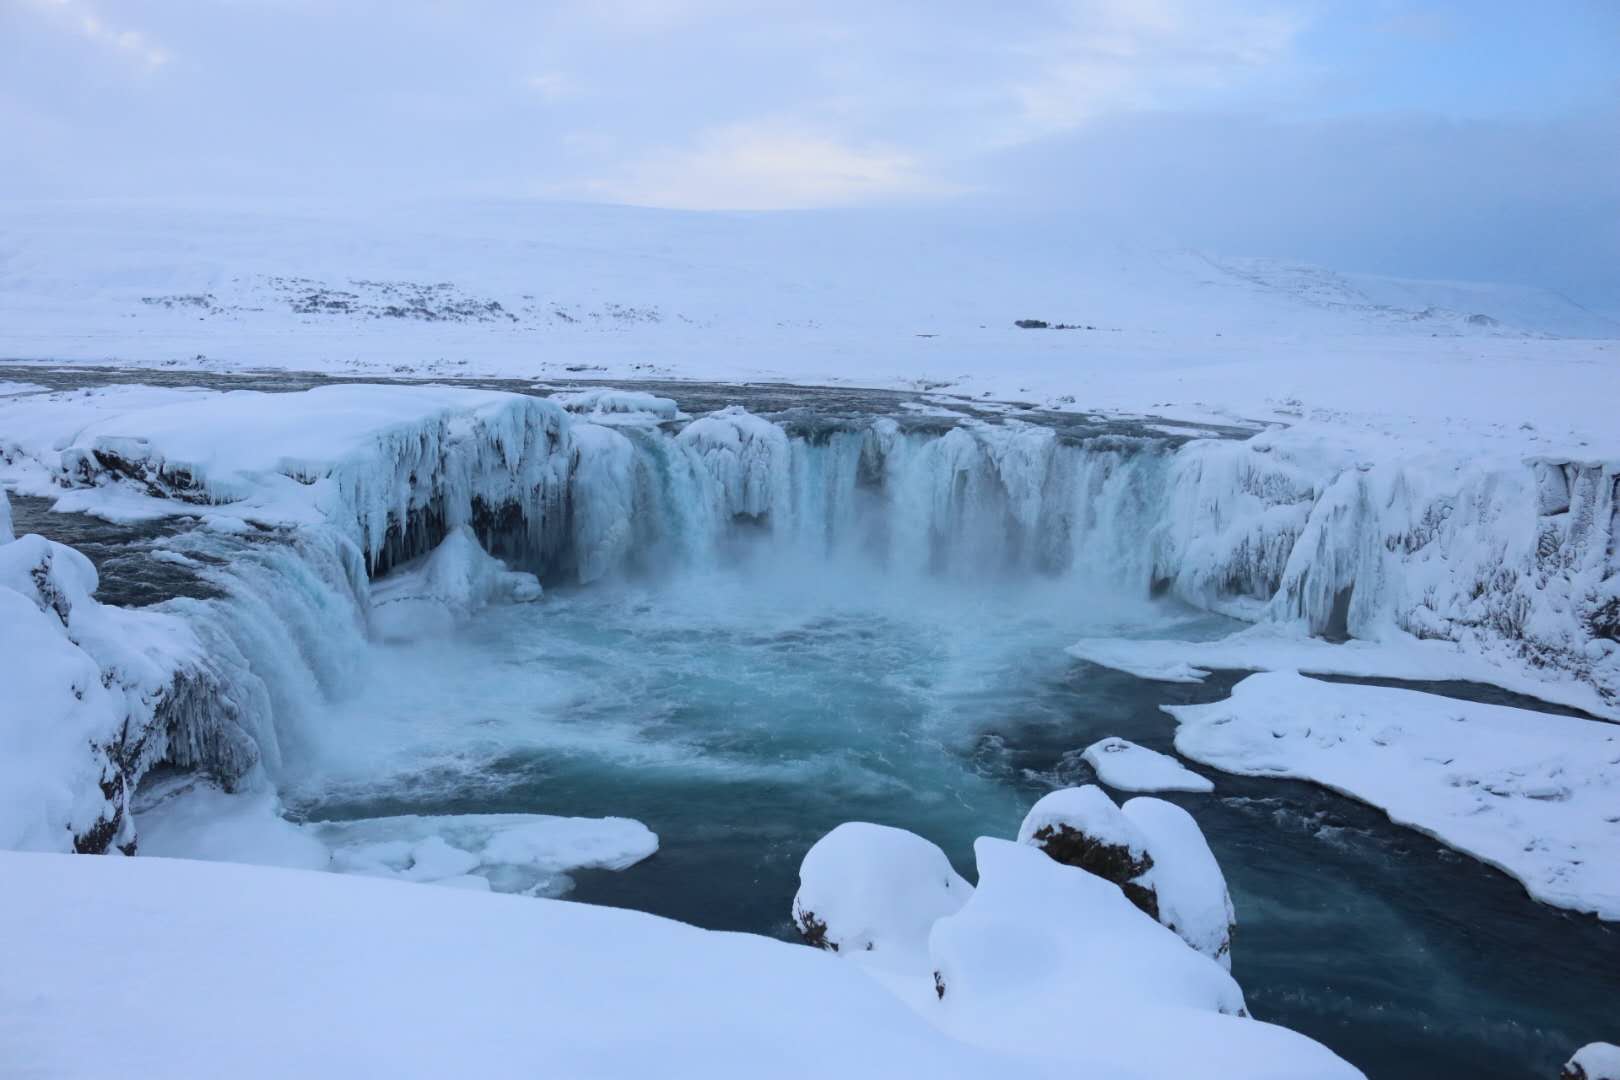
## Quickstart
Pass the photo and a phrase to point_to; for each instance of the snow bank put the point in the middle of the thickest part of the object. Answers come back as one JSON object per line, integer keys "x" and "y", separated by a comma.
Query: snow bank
{"x": 433, "y": 593}
{"x": 290, "y": 973}
{"x": 875, "y": 890}
{"x": 1047, "y": 959}
{"x": 1533, "y": 794}
{"x": 1594, "y": 1061}
{"x": 1125, "y": 766}
{"x": 1280, "y": 647}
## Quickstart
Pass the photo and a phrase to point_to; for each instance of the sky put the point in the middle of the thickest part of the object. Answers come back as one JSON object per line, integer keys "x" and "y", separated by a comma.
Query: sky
{"x": 1475, "y": 139}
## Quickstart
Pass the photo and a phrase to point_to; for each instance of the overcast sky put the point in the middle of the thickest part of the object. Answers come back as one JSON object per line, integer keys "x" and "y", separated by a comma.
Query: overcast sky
{"x": 1463, "y": 138}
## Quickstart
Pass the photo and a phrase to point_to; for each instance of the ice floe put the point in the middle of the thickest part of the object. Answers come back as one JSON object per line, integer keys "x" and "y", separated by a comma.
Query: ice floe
{"x": 1125, "y": 766}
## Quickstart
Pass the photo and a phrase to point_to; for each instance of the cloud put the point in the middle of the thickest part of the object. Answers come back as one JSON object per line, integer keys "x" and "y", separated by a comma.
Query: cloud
{"x": 761, "y": 167}
{"x": 75, "y": 17}
{"x": 1115, "y": 55}
{"x": 552, "y": 86}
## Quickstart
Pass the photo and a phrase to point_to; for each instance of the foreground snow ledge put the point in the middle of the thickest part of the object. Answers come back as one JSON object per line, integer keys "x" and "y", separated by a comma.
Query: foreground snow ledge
{"x": 1533, "y": 794}
{"x": 289, "y": 973}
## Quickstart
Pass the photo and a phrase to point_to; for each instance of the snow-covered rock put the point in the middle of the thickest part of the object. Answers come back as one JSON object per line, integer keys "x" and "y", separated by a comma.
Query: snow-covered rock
{"x": 876, "y": 890}
{"x": 1049, "y": 960}
{"x": 1594, "y": 1061}
{"x": 1153, "y": 850}
{"x": 95, "y": 695}
{"x": 1534, "y": 794}
{"x": 433, "y": 593}
{"x": 6, "y": 533}
{"x": 1125, "y": 766}
{"x": 1187, "y": 879}
{"x": 1081, "y": 827}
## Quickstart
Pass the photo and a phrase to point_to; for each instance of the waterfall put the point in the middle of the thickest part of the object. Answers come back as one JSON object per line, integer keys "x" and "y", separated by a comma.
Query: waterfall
{"x": 1519, "y": 562}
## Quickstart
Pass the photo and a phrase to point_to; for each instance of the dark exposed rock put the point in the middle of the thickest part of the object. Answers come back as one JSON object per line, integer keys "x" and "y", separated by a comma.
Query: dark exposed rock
{"x": 1112, "y": 862}
{"x": 813, "y": 930}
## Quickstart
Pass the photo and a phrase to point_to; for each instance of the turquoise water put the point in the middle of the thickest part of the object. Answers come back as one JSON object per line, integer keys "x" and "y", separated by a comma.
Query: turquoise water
{"x": 743, "y": 714}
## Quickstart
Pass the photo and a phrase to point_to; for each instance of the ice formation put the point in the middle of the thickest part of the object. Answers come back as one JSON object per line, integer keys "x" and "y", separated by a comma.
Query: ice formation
{"x": 434, "y": 592}
{"x": 532, "y": 854}
{"x": 1125, "y": 766}
{"x": 95, "y": 695}
{"x": 1534, "y": 794}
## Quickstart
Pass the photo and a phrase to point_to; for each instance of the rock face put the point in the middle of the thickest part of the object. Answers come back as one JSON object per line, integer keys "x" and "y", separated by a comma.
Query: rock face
{"x": 1594, "y": 1061}
{"x": 1153, "y": 850}
{"x": 1081, "y": 827}
{"x": 875, "y": 890}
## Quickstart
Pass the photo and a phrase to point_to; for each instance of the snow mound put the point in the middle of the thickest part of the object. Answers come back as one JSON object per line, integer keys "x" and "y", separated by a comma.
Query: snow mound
{"x": 433, "y": 593}
{"x": 1533, "y": 794}
{"x": 1125, "y": 766}
{"x": 1594, "y": 1061}
{"x": 875, "y": 891}
{"x": 1045, "y": 959}
{"x": 1187, "y": 879}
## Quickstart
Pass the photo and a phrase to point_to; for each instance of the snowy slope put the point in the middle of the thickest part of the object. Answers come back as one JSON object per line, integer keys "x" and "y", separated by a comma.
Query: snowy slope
{"x": 533, "y": 289}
